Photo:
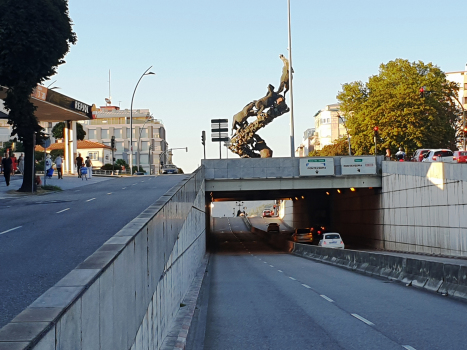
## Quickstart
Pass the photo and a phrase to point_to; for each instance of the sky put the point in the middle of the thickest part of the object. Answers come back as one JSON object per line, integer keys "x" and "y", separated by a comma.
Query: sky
{"x": 211, "y": 57}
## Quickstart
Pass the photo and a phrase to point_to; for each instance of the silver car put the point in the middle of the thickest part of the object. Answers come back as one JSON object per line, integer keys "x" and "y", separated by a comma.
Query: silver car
{"x": 331, "y": 240}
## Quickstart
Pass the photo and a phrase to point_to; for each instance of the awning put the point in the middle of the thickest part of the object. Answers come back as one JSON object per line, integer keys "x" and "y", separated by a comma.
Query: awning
{"x": 53, "y": 106}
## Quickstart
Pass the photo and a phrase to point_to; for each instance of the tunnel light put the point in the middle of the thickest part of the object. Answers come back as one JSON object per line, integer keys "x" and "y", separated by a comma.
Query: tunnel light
{"x": 339, "y": 191}
{"x": 352, "y": 189}
{"x": 370, "y": 188}
{"x": 328, "y": 193}
{"x": 212, "y": 205}
{"x": 303, "y": 197}
{"x": 296, "y": 198}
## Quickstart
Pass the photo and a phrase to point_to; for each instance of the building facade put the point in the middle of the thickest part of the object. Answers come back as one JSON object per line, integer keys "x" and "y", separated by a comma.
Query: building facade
{"x": 308, "y": 143}
{"x": 329, "y": 126}
{"x": 148, "y": 134}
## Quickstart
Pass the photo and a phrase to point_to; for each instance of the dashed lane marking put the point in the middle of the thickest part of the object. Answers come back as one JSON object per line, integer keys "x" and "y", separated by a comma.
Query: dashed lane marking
{"x": 61, "y": 211}
{"x": 408, "y": 347}
{"x": 271, "y": 265}
{"x": 364, "y": 320}
{"x": 293, "y": 279}
{"x": 264, "y": 262}
{"x": 326, "y": 298}
{"x": 279, "y": 270}
{"x": 306, "y": 286}
{"x": 109, "y": 193}
{"x": 11, "y": 229}
{"x": 90, "y": 199}
{"x": 123, "y": 188}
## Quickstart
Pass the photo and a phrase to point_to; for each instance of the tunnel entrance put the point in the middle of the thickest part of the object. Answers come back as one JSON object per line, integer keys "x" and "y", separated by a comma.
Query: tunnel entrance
{"x": 353, "y": 213}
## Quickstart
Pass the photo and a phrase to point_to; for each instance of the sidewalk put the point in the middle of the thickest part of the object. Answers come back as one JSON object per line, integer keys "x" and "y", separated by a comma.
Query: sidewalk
{"x": 68, "y": 182}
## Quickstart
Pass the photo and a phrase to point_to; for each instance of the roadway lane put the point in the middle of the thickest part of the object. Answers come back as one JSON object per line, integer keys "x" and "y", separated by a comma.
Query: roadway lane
{"x": 42, "y": 238}
{"x": 263, "y": 299}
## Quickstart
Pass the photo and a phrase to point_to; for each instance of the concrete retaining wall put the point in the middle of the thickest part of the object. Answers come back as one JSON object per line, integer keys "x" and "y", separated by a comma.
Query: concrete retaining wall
{"x": 438, "y": 277}
{"x": 424, "y": 207}
{"x": 125, "y": 295}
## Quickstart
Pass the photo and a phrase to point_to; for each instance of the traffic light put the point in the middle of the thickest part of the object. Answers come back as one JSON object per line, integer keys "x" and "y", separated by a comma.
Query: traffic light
{"x": 422, "y": 92}
{"x": 112, "y": 142}
{"x": 203, "y": 137}
{"x": 375, "y": 130}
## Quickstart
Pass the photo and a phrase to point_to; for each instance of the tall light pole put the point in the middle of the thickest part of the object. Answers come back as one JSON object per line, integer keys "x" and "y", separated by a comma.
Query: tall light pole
{"x": 131, "y": 119}
{"x": 292, "y": 137}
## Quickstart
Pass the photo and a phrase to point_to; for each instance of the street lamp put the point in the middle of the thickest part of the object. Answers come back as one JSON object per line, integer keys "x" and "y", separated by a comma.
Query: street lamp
{"x": 292, "y": 136}
{"x": 131, "y": 118}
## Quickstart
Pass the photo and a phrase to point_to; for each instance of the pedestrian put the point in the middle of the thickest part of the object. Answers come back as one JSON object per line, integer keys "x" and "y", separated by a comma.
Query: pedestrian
{"x": 89, "y": 166}
{"x": 7, "y": 165}
{"x": 21, "y": 164}
{"x": 388, "y": 154}
{"x": 400, "y": 155}
{"x": 79, "y": 164}
{"x": 58, "y": 164}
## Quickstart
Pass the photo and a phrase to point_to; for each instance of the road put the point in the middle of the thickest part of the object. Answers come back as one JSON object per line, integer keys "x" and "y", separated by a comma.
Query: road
{"x": 42, "y": 238}
{"x": 258, "y": 298}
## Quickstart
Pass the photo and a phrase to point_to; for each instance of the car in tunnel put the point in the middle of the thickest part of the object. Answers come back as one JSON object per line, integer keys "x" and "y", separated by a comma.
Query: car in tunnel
{"x": 302, "y": 235}
{"x": 331, "y": 240}
{"x": 273, "y": 227}
{"x": 267, "y": 213}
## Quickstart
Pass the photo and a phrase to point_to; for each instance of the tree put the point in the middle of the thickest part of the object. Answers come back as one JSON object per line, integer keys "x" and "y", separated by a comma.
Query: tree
{"x": 35, "y": 36}
{"x": 57, "y": 131}
{"x": 391, "y": 100}
{"x": 339, "y": 147}
{"x": 56, "y": 152}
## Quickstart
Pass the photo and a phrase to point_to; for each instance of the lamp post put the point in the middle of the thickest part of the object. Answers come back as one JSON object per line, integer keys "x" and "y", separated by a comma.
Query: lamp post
{"x": 292, "y": 136}
{"x": 131, "y": 118}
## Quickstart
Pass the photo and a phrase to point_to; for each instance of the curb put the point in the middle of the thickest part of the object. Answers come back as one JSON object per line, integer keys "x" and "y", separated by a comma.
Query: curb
{"x": 176, "y": 338}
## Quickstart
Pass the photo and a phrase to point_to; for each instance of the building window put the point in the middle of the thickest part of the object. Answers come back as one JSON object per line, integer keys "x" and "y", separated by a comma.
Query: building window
{"x": 93, "y": 155}
{"x": 105, "y": 133}
{"x": 92, "y": 134}
{"x": 118, "y": 133}
{"x": 156, "y": 135}
{"x": 145, "y": 146}
{"x": 128, "y": 133}
{"x": 119, "y": 146}
{"x": 144, "y": 133}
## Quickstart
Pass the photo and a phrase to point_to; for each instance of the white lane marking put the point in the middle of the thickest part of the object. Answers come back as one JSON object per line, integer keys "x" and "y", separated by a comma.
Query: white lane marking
{"x": 293, "y": 279}
{"x": 142, "y": 181}
{"x": 11, "y": 229}
{"x": 90, "y": 199}
{"x": 363, "y": 319}
{"x": 264, "y": 262}
{"x": 61, "y": 211}
{"x": 109, "y": 193}
{"x": 306, "y": 286}
{"x": 271, "y": 265}
{"x": 408, "y": 347}
{"x": 134, "y": 184}
{"x": 329, "y": 299}
{"x": 123, "y": 188}
{"x": 279, "y": 270}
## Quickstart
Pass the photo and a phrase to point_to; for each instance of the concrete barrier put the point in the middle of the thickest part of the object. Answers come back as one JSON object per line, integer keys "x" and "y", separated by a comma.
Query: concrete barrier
{"x": 434, "y": 276}
{"x": 125, "y": 295}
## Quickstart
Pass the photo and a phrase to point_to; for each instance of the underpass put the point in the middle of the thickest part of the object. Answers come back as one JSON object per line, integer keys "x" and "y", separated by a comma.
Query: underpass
{"x": 262, "y": 298}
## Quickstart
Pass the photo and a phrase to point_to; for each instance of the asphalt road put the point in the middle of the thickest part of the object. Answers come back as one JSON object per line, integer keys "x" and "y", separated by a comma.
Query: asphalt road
{"x": 258, "y": 298}
{"x": 42, "y": 238}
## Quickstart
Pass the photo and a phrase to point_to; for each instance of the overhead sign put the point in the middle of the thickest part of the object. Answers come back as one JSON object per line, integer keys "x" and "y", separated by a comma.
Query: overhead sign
{"x": 219, "y": 130}
{"x": 358, "y": 165}
{"x": 319, "y": 166}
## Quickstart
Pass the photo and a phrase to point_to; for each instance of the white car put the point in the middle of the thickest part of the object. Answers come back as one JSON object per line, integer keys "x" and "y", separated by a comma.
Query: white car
{"x": 438, "y": 155}
{"x": 331, "y": 240}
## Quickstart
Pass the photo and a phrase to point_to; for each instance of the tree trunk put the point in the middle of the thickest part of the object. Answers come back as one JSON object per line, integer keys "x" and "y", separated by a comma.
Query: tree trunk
{"x": 29, "y": 183}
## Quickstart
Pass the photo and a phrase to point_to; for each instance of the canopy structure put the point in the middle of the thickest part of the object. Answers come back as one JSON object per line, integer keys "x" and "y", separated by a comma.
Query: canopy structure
{"x": 53, "y": 106}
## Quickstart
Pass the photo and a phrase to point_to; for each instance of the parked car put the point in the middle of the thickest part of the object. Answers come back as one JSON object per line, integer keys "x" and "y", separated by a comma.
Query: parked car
{"x": 273, "y": 227}
{"x": 438, "y": 155}
{"x": 331, "y": 240}
{"x": 302, "y": 235}
{"x": 460, "y": 156}
{"x": 169, "y": 169}
{"x": 418, "y": 154}
{"x": 267, "y": 213}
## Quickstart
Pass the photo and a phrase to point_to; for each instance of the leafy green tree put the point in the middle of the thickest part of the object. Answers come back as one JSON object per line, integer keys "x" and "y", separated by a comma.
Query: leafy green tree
{"x": 121, "y": 162}
{"x": 57, "y": 131}
{"x": 339, "y": 147}
{"x": 7, "y": 145}
{"x": 391, "y": 100}
{"x": 35, "y": 36}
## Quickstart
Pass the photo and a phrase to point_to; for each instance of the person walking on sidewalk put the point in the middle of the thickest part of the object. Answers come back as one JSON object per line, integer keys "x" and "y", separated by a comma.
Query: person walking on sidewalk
{"x": 7, "y": 165}
{"x": 89, "y": 166}
{"x": 58, "y": 164}
{"x": 79, "y": 163}
{"x": 21, "y": 164}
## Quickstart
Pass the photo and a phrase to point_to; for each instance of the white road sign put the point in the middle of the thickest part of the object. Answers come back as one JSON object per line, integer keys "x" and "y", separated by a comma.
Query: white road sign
{"x": 358, "y": 165}
{"x": 316, "y": 166}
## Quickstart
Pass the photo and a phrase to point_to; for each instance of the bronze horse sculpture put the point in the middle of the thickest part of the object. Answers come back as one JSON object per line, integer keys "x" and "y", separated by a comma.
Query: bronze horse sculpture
{"x": 240, "y": 119}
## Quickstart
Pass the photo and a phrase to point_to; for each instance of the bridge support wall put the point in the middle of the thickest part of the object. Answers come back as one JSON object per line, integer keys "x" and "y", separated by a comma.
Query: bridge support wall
{"x": 126, "y": 294}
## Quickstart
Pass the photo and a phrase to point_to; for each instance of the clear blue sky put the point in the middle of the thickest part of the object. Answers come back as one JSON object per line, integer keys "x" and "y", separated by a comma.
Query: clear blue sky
{"x": 213, "y": 57}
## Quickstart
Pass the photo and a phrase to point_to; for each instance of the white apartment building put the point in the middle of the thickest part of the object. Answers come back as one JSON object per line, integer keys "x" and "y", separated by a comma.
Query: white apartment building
{"x": 148, "y": 132}
{"x": 328, "y": 126}
{"x": 461, "y": 79}
{"x": 308, "y": 143}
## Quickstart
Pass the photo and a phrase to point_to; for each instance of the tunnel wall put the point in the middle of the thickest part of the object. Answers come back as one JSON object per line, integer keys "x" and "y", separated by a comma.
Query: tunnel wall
{"x": 424, "y": 207}
{"x": 125, "y": 295}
